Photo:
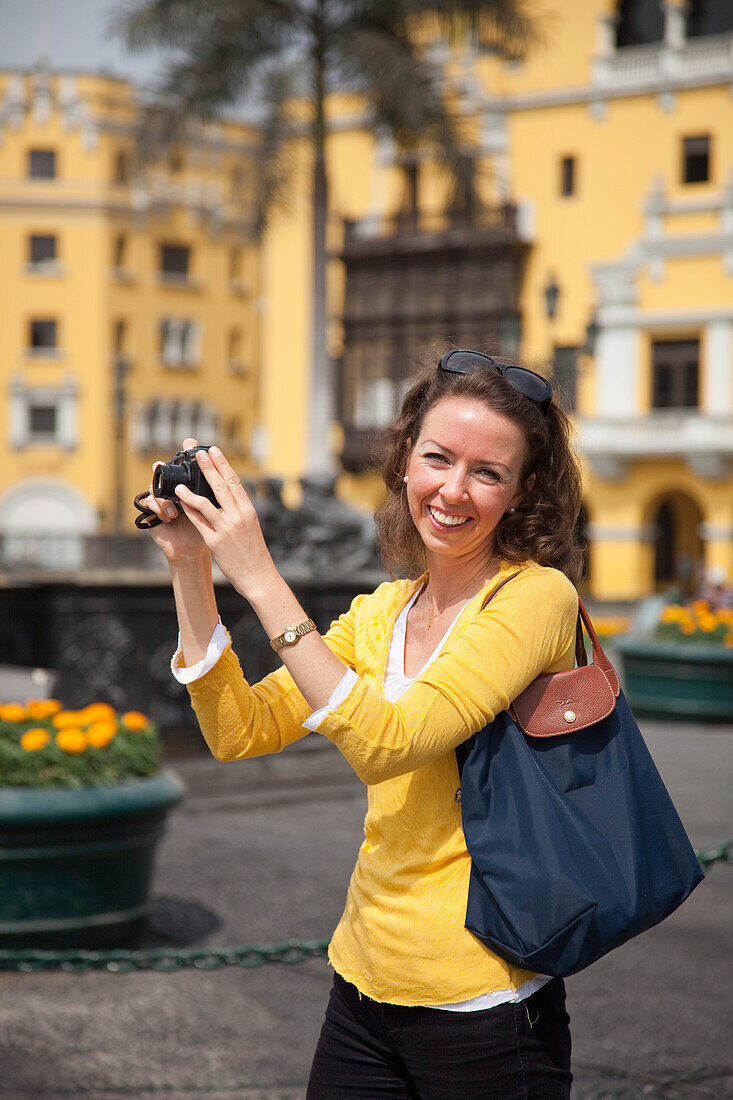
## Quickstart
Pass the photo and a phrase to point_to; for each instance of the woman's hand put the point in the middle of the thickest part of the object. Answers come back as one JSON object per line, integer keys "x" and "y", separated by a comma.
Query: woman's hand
{"x": 232, "y": 532}
{"x": 177, "y": 538}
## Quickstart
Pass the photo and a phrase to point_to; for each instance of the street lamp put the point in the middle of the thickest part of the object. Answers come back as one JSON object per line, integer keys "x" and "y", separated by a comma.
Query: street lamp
{"x": 552, "y": 293}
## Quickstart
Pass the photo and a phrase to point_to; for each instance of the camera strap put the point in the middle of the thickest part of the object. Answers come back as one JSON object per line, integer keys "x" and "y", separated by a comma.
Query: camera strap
{"x": 147, "y": 519}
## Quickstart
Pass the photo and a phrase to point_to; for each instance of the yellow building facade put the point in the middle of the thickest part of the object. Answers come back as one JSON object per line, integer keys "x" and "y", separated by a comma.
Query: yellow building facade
{"x": 613, "y": 146}
{"x": 130, "y": 305}
{"x": 604, "y": 256}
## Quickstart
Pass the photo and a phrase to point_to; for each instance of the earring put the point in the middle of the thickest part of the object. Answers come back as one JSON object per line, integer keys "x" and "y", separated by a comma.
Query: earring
{"x": 405, "y": 479}
{"x": 512, "y": 510}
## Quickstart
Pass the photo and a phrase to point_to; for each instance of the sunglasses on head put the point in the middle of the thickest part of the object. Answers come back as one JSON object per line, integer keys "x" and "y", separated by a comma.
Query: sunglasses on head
{"x": 526, "y": 382}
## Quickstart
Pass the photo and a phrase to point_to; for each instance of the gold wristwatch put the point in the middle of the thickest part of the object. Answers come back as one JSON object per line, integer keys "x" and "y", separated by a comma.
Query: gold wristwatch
{"x": 291, "y": 634}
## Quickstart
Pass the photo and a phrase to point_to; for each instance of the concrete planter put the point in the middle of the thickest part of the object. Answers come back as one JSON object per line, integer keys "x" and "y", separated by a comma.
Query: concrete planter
{"x": 76, "y": 865}
{"x": 676, "y": 681}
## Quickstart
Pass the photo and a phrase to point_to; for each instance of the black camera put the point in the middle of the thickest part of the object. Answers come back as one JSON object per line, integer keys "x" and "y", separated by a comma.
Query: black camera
{"x": 183, "y": 469}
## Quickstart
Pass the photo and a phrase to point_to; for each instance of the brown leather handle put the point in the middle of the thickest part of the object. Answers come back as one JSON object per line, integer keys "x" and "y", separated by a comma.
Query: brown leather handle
{"x": 599, "y": 657}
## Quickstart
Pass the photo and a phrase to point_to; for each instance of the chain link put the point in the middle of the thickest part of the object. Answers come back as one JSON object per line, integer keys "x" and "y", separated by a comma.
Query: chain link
{"x": 164, "y": 960}
{"x": 722, "y": 854}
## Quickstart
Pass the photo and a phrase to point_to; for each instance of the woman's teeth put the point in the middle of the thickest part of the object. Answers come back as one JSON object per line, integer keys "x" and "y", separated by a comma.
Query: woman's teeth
{"x": 447, "y": 521}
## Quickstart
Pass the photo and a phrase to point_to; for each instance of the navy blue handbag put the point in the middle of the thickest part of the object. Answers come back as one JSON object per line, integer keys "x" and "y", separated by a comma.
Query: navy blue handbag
{"x": 574, "y": 840}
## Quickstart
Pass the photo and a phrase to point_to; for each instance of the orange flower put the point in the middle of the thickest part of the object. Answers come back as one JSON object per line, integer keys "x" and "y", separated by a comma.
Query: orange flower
{"x": 134, "y": 720}
{"x": 99, "y": 712}
{"x": 687, "y": 628}
{"x": 35, "y": 739}
{"x": 100, "y": 734}
{"x": 71, "y": 740}
{"x": 13, "y": 712}
{"x": 42, "y": 708}
{"x": 66, "y": 718}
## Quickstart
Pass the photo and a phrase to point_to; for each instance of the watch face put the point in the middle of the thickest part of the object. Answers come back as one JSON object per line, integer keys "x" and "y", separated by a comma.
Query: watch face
{"x": 289, "y": 636}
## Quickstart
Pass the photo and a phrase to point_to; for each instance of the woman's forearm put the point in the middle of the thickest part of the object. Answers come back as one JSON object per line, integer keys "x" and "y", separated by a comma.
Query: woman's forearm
{"x": 195, "y": 606}
{"x": 315, "y": 669}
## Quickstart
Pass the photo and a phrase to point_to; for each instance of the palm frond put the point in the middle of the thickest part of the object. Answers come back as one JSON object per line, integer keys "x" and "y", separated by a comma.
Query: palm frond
{"x": 272, "y": 158}
{"x": 405, "y": 92}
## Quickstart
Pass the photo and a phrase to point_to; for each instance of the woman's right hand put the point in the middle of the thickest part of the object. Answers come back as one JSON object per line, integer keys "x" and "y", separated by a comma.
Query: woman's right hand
{"x": 176, "y": 535}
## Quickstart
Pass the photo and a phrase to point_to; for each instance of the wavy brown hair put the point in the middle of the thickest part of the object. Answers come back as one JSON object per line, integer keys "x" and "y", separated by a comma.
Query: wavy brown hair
{"x": 543, "y": 528}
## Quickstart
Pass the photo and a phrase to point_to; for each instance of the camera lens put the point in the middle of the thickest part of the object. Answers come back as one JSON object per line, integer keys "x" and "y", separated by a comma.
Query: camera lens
{"x": 165, "y": 479}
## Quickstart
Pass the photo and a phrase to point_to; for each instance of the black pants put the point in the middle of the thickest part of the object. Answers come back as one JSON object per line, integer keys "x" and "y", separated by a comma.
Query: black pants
{"x": 374, "y": 1050}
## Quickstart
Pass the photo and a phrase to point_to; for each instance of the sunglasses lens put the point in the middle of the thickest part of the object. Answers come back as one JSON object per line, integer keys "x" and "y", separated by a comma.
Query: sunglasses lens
{"x": 465, "y": 362}
{"x": 528, "y": 383}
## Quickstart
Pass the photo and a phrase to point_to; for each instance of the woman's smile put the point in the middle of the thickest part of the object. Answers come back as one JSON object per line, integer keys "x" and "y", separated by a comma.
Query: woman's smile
{"x": 446, "y": 520}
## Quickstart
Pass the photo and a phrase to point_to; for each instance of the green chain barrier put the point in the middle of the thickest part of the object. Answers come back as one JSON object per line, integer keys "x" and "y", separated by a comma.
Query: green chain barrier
{"x": 164, "y": 960}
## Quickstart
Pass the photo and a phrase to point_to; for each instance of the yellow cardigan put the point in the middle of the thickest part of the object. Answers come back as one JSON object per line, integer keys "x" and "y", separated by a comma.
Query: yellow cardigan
{"x": 401, "y": 938}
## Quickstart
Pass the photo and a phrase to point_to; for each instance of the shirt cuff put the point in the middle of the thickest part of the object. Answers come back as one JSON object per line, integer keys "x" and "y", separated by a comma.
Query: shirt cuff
{"x": 217, "y": 644}
{"x": 339, "y": 693}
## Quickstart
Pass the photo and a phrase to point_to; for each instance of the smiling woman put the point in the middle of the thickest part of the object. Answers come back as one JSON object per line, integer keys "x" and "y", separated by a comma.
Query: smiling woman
{"x": 483, "y": 494}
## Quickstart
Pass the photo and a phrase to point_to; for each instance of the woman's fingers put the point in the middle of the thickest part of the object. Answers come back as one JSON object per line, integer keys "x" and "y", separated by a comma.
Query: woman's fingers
{"x": 221, "y": 476}
{"x": 189, "y": 443}
{"x": 163, "y": 509}
{"x": 197, "y": 508}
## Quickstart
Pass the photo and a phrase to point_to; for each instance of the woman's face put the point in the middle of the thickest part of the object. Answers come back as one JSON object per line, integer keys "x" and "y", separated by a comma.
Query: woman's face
{"x": 463, "y": 474}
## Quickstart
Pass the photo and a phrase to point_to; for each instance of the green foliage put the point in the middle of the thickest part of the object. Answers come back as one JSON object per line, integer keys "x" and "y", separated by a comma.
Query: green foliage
{"x": 130, "y": 755}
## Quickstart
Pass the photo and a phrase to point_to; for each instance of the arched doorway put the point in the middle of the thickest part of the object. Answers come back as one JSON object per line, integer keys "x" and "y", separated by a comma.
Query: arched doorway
{"x": 675, "y": 520}
{"x": 43, "y": 523}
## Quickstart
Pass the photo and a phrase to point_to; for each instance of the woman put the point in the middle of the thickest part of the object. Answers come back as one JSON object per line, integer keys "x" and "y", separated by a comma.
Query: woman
{"x": 482, "y": 488}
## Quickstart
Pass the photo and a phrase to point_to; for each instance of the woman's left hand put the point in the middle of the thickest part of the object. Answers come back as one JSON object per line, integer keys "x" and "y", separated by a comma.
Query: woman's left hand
{"x": 232, "y": 532}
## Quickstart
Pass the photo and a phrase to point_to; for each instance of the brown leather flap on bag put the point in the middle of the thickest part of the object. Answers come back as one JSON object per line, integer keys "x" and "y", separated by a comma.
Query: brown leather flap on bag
{"x": 563, "y": 702}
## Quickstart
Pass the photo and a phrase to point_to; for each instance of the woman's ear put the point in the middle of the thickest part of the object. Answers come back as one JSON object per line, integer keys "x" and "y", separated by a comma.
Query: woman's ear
{"x": 529, "y": 483}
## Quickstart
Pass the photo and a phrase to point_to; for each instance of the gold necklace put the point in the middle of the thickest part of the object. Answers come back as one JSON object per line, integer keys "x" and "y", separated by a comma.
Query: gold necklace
{"x": 435, "y": 613}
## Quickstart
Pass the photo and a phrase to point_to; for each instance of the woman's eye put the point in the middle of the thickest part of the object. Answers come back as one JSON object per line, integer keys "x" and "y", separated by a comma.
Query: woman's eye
{"x": 435, "y": 457}
{"x": 492, "y": 474}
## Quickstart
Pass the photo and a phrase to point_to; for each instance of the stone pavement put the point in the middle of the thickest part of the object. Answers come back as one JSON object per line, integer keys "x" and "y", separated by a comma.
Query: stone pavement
{"x": 262, "y": 852}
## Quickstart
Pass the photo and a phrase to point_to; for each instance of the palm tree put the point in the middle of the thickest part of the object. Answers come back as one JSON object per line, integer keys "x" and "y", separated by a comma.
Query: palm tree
{"x": 278, "y": 51}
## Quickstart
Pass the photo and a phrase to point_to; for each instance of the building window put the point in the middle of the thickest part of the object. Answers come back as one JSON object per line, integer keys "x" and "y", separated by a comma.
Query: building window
{"x": 42, "y": 421}
{"x": 180, "y": 341}
{"x": 43, "y": 415}
{"x": 42, "y": 164}
{"x": 41, "y": 248}
{"x": 696, "y": 159}
{"x": 639, "y": 22}
{"x": 565, "y": 371}
{"x": 709, "y": 17}
{"x": 675, "y": 374}
{"x": 567, "y": 176}
{"x": 174, "y": 260}
{"x": 42, "y": 335}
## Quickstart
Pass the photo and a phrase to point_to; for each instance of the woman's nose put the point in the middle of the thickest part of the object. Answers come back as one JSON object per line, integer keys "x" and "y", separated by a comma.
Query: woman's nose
{"x": 454, "y": 485}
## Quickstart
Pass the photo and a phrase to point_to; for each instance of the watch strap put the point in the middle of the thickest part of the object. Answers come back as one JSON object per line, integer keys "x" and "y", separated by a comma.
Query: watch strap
{"x": 291, "y": 634}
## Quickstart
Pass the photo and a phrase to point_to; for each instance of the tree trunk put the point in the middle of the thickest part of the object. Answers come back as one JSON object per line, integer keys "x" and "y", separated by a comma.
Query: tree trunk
{"x": 320, "y": 458}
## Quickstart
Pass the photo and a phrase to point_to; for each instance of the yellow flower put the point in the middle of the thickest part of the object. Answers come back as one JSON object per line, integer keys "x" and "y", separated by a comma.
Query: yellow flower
{"x": 100, "y": 734}
{"x": 99, "y": 712}
{"x": 13, "y": 712}
{"x": 687, "y": 628}
{"x": 134, "y": 720}
{"x": 71, "y": 740}
{"x": 35, "y": 739}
